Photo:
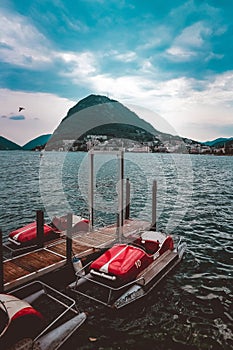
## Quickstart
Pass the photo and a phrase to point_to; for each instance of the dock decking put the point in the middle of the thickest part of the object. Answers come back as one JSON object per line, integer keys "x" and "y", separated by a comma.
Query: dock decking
{"x": 32, "y": 265}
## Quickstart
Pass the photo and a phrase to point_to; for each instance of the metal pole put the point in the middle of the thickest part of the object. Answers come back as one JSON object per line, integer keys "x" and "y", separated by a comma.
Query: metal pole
{"x": 154, "y": 206}
{"x": 40, "y": 228}
{"x": 1, "y": 264}
{"x": 69, "y": 238}
{"x": 91, "y": 191}
{"x": 127, "y": 200}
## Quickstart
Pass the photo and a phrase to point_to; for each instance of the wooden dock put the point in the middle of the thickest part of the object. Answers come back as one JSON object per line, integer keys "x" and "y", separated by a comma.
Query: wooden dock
{"x": 32, "y": 265}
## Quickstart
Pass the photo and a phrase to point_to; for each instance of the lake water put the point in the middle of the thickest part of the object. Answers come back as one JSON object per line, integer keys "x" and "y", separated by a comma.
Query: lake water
{"x": 192, "y": 308}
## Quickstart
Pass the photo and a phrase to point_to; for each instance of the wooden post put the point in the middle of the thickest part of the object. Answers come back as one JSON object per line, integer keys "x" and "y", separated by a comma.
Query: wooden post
{"x": 69, "y": 238}
{"x": 121, "y": 193}
{"x": 91, "y": 191}
{"x": 127, "y": 199}
{"x": 122, "y": 187}
{"x": 40, "y": 228}
{"x": 154, "y": 206}
{"x": 1, "y": 264}
{"x": 118, "y": 232}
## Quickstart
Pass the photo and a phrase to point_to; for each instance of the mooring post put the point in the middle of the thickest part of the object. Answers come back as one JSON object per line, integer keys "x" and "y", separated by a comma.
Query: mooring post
{"x": 69, "y": 238}
{"x": 40, "y": 228}
{"x": 121, "y": 193}
{"x": 118, "y": 232}
{"x": 127, "y": 199}
{"x": 91, "y": 191}
{"x": 154, "y": 206}
{"x": 122, "y": 188}
{"x": 1, "y": 264}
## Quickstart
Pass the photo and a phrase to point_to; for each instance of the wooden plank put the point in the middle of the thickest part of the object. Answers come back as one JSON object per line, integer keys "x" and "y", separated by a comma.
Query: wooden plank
{"x": 93, "y": 239}
{"x": 101, "y": 235}
{"x": 76, "y": 247}
{"x": 33, "y": 275}
{"x": 133, "y": 227}
{"x": 108, "y": 230}
{"x": 91, "y": 242}
{"x": 20, "y": 269}
{"x": 98, "y": 235}
{"x": 12, "y": 271}
{"x": 155, "y": 268}
{"x": 129, "y": 225}
{"x": 85, "y": 243}
{"x": 38, "y": 260}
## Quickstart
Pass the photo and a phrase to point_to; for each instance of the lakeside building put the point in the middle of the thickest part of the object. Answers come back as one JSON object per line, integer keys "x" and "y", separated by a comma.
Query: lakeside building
{"x": 153, "y": 146}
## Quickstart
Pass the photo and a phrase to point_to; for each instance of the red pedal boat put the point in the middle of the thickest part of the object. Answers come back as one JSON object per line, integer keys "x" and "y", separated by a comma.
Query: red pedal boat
{"x": 18, "y": 320}
{"x": 36, "y": 316}
{"x": 123, "y": 262}
{"x": 129, "y": 271}
{"x": 27, "y": 235}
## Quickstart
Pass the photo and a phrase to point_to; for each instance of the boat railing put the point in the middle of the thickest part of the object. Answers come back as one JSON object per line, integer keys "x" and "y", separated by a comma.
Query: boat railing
{"x": 109, "y": 288}
{"x": 81, "y": 272}
{"x": 19, "y": 250}
{"x": 64, "y": 300}
{"x": 181, "y": 247}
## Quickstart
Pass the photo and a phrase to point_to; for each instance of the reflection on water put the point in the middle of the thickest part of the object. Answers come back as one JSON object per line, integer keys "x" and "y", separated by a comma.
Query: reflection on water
{"x": 191, "y": 309}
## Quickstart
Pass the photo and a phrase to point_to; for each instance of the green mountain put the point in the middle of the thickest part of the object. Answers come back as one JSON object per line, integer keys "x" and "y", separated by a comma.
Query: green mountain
{"x": 6, "y": 144}
{"x": 99, "y": 115}
{"x": 38, "y": 142}
{"x": 87, "y": 102}
{"x": 218, "y": 142}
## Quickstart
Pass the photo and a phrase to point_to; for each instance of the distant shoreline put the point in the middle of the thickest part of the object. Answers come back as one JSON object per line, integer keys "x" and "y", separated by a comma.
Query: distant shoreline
{"x": 134, "y": 152}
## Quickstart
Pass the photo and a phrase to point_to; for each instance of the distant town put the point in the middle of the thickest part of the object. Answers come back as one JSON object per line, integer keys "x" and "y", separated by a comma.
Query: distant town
{"x": 168, "y": 144}
{"x": 174, "y": 145}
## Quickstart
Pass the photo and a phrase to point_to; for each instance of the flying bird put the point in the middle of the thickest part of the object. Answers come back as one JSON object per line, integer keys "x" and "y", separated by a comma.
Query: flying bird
{"x": 21, "y": 108}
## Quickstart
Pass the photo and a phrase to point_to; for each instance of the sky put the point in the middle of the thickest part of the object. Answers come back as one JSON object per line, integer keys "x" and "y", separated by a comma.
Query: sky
{"x": 172, "y": 58}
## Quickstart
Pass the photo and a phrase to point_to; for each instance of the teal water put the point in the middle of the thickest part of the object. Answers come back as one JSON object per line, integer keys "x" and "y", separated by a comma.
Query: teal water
{"x": 192, "y": 308}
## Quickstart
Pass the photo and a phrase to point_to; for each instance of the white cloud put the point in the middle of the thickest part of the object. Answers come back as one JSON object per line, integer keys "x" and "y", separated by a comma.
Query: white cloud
{"x": 154, "y": 36}
{"x": 185, "y": 109}
{"x": 126, "y": 57}
{"x": 80, "y": 64}
{"x": 177, "y": 53}
{"x": 125, "y": 86}
{"x": 147, "y": 66}
{"x": 75, "y": 24}
{"x": 22, "y": 45}
{"x": 193, "y": 36}
{"x": 214, "y": 56}
{"x": 190, "y": 42}
{"x": 182, "y": 102}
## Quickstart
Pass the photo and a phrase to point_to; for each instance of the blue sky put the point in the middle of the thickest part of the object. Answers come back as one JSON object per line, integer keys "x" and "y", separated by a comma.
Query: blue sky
{"x": 173, "y": 58}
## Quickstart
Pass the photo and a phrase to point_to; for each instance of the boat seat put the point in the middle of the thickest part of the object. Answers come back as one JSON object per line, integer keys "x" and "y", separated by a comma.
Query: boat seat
{"x": 151, "y": 247}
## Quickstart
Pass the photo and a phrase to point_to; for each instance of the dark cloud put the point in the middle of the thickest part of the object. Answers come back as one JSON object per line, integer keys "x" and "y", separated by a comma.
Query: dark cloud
{"x": 17, "y": 117}
{"x": 3, "y": 116}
